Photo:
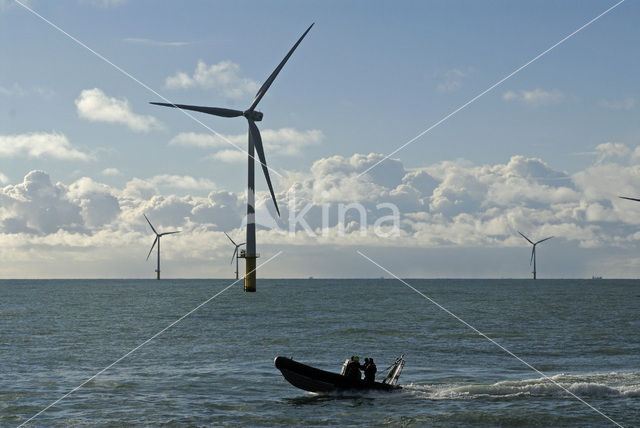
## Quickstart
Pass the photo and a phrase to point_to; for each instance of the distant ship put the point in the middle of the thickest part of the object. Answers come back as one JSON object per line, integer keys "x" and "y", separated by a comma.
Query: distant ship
{"x": 596, "y": 277}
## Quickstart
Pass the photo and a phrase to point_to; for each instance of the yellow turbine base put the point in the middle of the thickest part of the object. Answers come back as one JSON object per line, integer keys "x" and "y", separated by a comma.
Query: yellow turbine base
{"x": 250, "y": 276}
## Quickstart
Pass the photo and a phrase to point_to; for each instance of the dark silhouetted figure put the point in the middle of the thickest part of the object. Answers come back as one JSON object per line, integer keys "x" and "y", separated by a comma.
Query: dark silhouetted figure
{"x": 353, "y": 368}
{"x": 370, "y": 370}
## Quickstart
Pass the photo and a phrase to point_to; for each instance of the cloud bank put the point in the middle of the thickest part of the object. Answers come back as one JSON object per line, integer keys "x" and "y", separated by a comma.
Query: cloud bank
{"x": 446, "y": 206}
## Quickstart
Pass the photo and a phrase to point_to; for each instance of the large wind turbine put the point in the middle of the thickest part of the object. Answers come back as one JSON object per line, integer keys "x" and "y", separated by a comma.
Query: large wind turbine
{"x": 235, "y": 252}
{"x": 255, "y": 142}
{"x": 158, "y": 236}
{"x": 533, "y": 251}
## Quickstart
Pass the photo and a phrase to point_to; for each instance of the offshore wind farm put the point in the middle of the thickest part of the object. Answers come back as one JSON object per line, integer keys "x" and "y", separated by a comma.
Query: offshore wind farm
{"x": 407, "y": 143}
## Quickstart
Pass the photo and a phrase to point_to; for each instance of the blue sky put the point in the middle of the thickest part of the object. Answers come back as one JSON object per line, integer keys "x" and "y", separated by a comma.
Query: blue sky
{"x": 369, "y": 77}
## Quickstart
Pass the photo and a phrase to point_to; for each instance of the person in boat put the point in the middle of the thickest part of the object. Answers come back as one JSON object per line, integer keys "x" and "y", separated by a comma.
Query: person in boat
{"x": 370, "y": 370}
{"x": 352, "y": 371}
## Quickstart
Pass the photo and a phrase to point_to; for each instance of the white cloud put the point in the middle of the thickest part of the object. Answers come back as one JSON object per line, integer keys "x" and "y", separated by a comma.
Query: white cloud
{"x": 197, "y": 140}
{"x": 222, "y": 77}
{"x": 289, "y": 141}
{"x": 182, "y": 182}
{"x": 277, "y": 142}
{"x": 611, "y": 150}
{"x": 37, "y": 206}
{"x": 535, "y": 97}
{"x": 97, "y": 203}
{"x": 96, "y": 106}
{"x": 448, "y": 207}
{"x": 626, "y": 103}
{"x": 40, "y": 145}
{"x": 230, "y": 156}
{"x": 110, "y": 172}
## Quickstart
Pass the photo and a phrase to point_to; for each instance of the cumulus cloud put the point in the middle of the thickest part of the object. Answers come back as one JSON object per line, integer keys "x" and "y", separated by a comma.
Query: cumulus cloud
{"x": 222, "y": 77}
{"x": 535, "y": 97}
{"x": 182, "y": 182}
{"x": 96, "y": 106}
{"x": 611, "y": 150}
{"x": 98, "y": 206}
{"x": 38, "y": 206}
{"x": 452, "y": 204}
{"x": 40, "y": 145}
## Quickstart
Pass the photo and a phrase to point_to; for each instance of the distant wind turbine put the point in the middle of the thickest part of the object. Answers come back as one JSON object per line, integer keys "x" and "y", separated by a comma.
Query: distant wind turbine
{"x": 158, "y": 236}
{"x": 533, "y": 251}
{"x": 255, "y": 142}
{"x": 235, "y": 252}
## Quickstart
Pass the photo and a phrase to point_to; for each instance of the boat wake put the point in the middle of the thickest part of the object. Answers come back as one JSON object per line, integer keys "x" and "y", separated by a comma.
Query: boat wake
{"x": 598, "y": 385}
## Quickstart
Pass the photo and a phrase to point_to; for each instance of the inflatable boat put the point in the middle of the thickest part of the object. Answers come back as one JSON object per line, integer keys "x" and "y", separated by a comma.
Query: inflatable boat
{"x": 316, "y": 380}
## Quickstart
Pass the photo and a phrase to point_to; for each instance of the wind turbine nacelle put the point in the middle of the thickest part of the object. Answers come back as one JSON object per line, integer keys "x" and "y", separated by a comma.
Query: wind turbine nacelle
{"x": 256, "y": 116}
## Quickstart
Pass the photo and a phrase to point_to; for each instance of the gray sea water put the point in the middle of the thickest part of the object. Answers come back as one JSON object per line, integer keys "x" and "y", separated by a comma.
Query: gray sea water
{"x": 215, "y": 367}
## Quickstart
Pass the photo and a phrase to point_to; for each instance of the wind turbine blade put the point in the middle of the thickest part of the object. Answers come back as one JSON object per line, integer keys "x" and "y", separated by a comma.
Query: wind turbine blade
{"x": 234, "y": 255}
{"x": 265, "y": 86}
{"x": 216, "y": 111}
{"x": 152, "y": 228}
{"x": 631, "y": 199}
{"x": 254, "y": 134}
{"x": 525, "y": 237}
{"x": 169, "y": 233}
{"x": 542, "y": 240}
{"x": 533, "y": 253}
{"x": 241, "y": 244}
{"x": 230, "y": 239}
{"x": 153, "y": 245}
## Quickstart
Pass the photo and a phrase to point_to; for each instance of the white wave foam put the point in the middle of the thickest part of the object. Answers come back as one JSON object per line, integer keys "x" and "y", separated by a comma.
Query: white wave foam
{"x": 597, "y": 385}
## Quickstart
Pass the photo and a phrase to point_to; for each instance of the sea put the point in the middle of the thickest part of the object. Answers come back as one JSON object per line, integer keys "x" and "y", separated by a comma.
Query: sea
{"x": 199, "y": 353}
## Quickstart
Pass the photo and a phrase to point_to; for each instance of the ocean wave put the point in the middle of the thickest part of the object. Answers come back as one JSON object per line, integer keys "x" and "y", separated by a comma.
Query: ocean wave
{"x": 597, "y": 385}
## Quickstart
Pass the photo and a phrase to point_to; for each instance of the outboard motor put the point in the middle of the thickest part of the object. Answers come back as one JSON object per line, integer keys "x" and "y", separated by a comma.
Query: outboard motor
{"x": 343, "y": 372}
{"x": 393, "y": 373}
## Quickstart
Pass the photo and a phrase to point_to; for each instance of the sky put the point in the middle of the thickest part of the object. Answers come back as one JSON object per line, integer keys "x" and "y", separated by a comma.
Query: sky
{"x": 545, "y": 149}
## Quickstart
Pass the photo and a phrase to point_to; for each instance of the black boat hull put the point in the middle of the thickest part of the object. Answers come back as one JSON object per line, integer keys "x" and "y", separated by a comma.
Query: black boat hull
{"x": 315, "y": 380}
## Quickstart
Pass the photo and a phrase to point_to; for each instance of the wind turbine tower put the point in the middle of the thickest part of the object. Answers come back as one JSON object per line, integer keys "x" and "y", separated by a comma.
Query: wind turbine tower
{"x": 158, "y": 236}
{"x": 235, "y": 252}
{"x": 255, "y": 145}
{"x": 533, "y": 251}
